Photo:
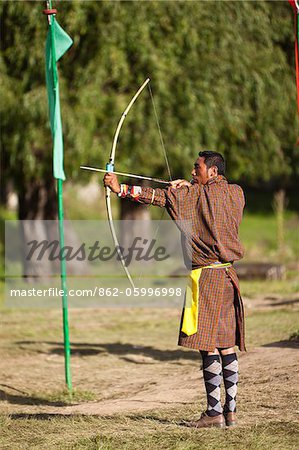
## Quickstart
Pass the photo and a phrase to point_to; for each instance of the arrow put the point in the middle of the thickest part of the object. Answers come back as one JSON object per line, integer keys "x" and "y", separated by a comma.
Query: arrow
{"x": 130, "y": 175}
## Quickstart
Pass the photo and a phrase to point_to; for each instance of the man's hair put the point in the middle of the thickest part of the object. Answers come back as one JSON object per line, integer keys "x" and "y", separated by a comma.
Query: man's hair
{"x": 214, "y": 159}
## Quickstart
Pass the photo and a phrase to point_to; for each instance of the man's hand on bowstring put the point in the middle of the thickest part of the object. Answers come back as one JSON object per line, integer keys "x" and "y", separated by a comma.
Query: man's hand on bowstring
{"x": 176, "y": 184}
{"x": 110, "y": 180}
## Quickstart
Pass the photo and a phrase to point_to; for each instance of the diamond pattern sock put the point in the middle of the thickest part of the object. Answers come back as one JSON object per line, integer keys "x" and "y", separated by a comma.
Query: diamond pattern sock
{"x": 212, "y": 377}
{"x": 230, "y": 378}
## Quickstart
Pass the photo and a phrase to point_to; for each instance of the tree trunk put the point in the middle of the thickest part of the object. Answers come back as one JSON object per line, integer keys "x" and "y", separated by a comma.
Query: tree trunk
{"x": 38, "y": 200}
{"x": 131, "y": 212}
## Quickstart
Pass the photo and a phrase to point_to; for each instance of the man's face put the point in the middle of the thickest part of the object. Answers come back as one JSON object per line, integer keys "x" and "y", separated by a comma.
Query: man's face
{"x": 200, "y": 173}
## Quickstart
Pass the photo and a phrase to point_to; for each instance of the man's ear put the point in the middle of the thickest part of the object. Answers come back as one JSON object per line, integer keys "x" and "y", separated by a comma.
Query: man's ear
{"x": 213, "y": 171}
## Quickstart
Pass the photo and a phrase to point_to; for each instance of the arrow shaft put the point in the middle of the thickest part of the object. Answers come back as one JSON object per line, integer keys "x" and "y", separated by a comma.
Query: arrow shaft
{"x": 130, "y": 175}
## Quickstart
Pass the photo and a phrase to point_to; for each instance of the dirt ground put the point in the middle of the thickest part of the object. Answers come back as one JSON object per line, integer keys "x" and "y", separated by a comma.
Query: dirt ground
{"x": 266, "y": 388}
{"x": 123, "y": 377}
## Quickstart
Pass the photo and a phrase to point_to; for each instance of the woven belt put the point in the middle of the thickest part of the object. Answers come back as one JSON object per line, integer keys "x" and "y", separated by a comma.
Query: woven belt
{"x": 190, "y": 317}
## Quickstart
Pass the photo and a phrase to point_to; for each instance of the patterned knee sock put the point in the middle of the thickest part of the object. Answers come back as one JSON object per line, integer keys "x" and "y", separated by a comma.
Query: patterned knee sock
{"x": 230, "y": 378}
{"x": 212, "y": 378}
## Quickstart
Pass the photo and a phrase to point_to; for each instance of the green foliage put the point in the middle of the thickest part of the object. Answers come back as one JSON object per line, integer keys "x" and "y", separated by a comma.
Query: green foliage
{"x": 222, "y": 75}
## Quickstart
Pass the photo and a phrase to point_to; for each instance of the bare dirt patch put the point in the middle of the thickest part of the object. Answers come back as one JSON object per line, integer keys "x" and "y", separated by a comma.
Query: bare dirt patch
{"x": 266, "y": 388}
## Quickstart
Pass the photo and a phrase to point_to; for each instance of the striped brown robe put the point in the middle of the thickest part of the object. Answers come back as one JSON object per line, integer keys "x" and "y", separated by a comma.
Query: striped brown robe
{"x": 209, "y": 217}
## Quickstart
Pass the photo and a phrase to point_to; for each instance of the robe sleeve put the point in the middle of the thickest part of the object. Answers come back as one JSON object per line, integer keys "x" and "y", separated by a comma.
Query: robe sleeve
{"x": 174, "y": 200}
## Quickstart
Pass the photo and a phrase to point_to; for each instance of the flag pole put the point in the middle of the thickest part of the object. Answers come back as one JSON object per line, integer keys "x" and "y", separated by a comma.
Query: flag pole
{"x": 66, "y": 334}
{"x": 55, "y": 122}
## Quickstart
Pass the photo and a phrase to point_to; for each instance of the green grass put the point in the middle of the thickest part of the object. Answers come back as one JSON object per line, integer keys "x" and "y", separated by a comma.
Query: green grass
{"x": 152, "y": 431}
{"x": 147, "y": 333}
{"x": 258, "y": 235}
{"x": 279, "y": 325}
{"x": 112, "y": 334}
{"x": 260, "y": 288}
{"x": 148, "y": 327}
{"x": 66, "y": 397}
{"x": 294, "y": 336}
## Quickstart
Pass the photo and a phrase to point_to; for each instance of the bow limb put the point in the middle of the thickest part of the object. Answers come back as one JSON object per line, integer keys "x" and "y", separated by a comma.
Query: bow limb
{"x": 110, "y": 168}
{"x": 115, "y": 240}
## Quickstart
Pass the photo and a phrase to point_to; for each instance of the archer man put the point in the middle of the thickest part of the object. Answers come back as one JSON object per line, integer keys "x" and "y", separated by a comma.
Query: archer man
{"x": 213, "y": 318}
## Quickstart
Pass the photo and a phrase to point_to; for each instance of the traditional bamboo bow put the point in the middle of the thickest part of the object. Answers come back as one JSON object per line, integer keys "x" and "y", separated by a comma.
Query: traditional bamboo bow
{"x": 110, "y": 168}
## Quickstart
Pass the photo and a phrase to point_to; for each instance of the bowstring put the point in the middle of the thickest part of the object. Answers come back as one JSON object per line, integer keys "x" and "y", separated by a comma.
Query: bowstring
{"x": 160, "y": 132}
{"x": 165, "y": 157}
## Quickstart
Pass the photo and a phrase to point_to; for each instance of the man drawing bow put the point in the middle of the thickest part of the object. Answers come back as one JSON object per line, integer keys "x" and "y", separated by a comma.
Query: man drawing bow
{"x": 213, "y": 318}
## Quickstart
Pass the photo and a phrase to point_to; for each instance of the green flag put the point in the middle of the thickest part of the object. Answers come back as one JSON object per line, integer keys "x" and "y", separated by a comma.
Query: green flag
{"x": 57, "y": 43}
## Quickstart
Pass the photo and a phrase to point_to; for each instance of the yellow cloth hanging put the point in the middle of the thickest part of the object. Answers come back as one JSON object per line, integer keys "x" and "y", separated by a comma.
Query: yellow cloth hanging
{"x": 190, "y": 317}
